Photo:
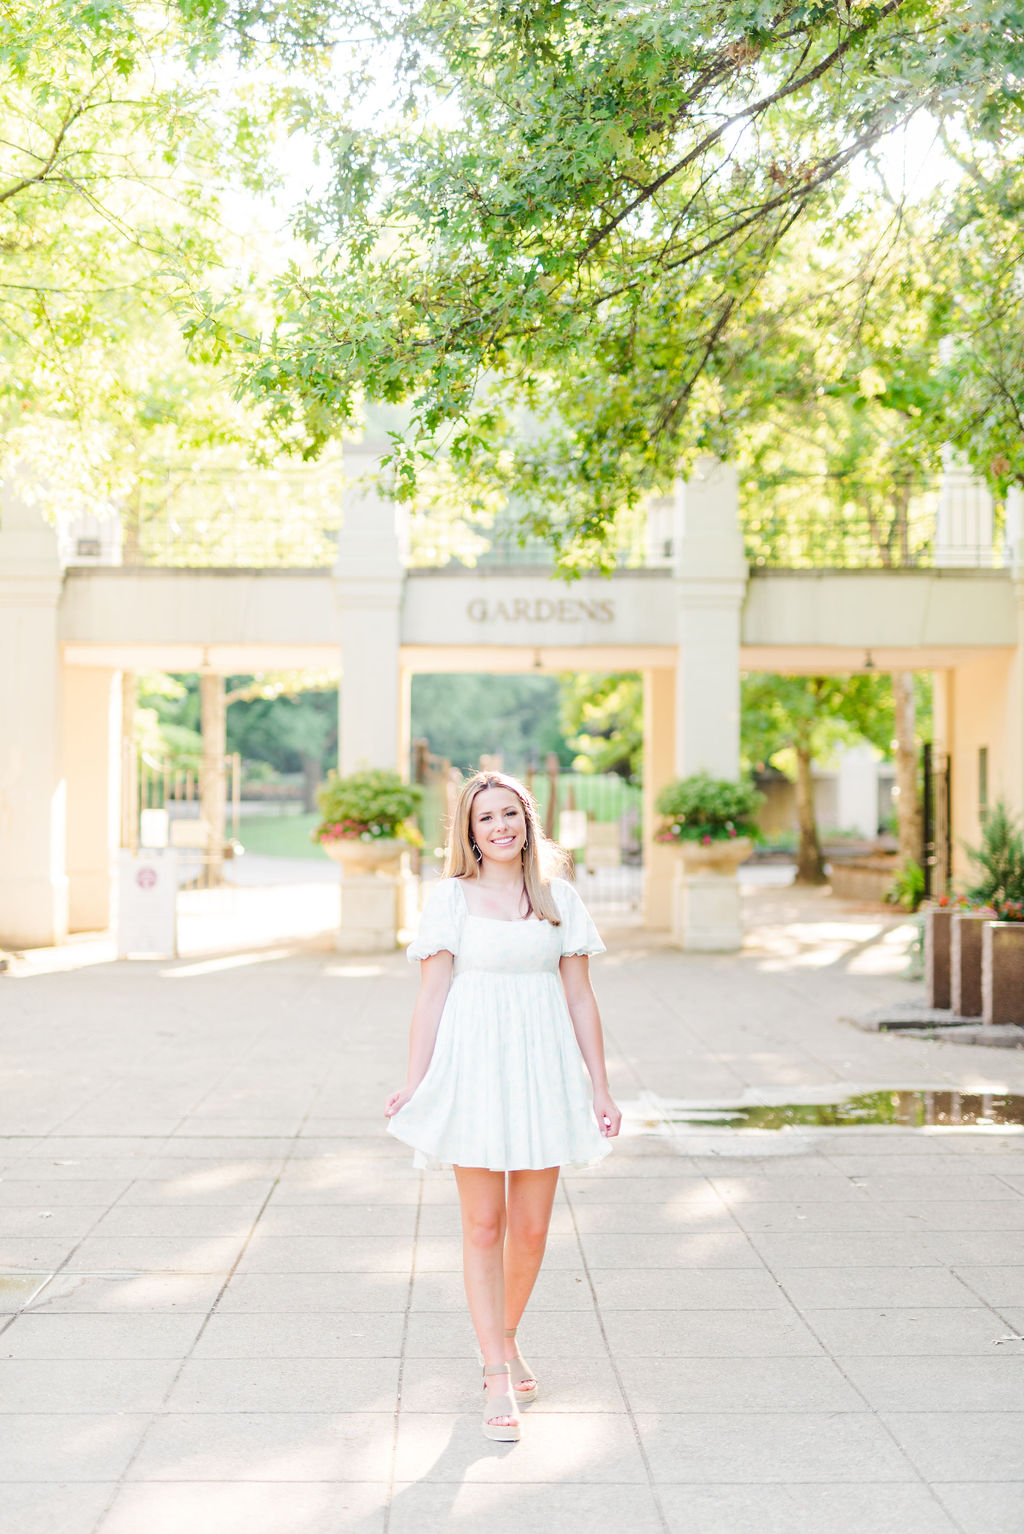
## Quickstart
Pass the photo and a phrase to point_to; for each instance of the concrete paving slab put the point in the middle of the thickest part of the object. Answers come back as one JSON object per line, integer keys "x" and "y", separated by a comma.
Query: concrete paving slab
{"x": 676, "y": 1192}
{"x": 341, "y": 1220}
{"x": 56, "y": 1336}
{"x": 666, "y": 1289}
{"x": 75, "y": 1385}
{"x": 286, "y": 1384}
{"x": 718, "y": 1249}
{"x": 47, "y": 1193}
{"x": 53, "y": 1507}
{"x": 156, "y": 1254}
{"x": 809, "y": 1288}
{"x": 983, "y": 1509}
{"x": 815, "y": 1249}
{"x": 964, "y": 1384}
{"x": 117, "y": 1293}
{"x": 939, "y": 1187}
{"x": 690, "y": 1216}
{"x": 993, "y": 1248}
{"x": 326, "y": 1254}
{"x": 310, "y": 1293}
{"x": 246, "y": 1508}
{"x": 306, "y": 1334}
{"x": 830, "y": 1217}
{"x": 472, "y": 1508}
{"x": 844, "y": 1509}
{"x": 786, "y": 1446}
{"x": 708, "y": 1333}
{"x": 748, "y": 1384}
{"x": 995, "y": 1285}
{"x": 568, "y": 1384}
{"x": 17, "y": 1290}
{"x": 951, "y": 1445}
{"x": 596, "y": 1447}
{"x": 65, "y": 1223}
{"x": 987, "y": 1214}
{"x": 901, "y": 1334}
{"x": 267, "y": 1447}
{"x": 171, "y": 1221}
{"x": 68, "y": 1446}
{"x": 34, "y": 1254}
{"x": 218, "y": 1187}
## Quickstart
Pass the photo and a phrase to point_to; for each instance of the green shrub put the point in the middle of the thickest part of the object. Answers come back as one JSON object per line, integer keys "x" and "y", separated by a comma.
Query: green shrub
{"x": 907, "y": 889}
{"x": 369, "y": 805}
{"x": 702, "y": 808}
{"x": 1000, "y": 859}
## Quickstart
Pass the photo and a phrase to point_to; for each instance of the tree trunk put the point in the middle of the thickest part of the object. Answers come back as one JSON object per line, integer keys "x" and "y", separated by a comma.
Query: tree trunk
{"x": 312, "y": 771}
{"x": 810, "y": 865}
{"x": 212, "y": 795}
{"x": 908, "y": 808}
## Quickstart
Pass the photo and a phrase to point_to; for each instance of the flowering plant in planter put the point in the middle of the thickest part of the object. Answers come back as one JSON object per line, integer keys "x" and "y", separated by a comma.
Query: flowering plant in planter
{"x": 706, "y": 810}
{"x": 1010, "y": 910}
{"x": 372, "y": 805}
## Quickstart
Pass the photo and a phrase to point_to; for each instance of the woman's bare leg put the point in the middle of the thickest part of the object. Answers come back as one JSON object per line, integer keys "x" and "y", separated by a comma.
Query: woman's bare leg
{"x": 530, "y": 1199}
{"x": 482, "y": 1197}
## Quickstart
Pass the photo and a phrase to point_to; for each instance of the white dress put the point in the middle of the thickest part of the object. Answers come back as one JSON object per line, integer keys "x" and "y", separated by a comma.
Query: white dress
{"x": 506, "y": 1087}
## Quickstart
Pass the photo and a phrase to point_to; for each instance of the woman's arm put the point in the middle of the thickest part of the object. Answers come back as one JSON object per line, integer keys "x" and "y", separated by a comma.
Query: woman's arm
{"x": 435, "y": 983}
{"x": 586, "y": 1022}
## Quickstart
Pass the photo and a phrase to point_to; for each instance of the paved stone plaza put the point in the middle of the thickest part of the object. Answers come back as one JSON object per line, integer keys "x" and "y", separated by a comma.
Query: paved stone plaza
{"x": 233, "y": 1309}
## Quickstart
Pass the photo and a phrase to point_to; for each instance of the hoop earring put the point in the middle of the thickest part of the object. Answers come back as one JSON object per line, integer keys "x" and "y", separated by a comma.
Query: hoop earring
{"x": 476, "y": 852}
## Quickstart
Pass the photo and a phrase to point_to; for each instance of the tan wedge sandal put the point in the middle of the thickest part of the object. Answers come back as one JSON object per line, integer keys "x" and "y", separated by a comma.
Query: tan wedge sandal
{"x": 525, "y": 1373}
{"x": 503, "y": 1405}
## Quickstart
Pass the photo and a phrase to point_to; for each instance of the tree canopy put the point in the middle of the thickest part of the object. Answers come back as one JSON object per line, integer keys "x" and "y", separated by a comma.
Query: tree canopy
{"x": 554, "y": 237}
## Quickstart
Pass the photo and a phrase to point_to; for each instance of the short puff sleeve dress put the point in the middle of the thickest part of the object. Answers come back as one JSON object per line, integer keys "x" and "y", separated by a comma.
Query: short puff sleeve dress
{"x": 506, "y": 1087}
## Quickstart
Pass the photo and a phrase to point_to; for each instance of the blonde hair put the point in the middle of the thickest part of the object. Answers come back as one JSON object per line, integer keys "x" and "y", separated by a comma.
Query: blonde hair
{"x": 543, "y": 859}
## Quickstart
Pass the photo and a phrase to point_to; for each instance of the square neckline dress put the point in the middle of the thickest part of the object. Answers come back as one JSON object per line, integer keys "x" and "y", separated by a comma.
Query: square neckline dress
{"x": 506, "y": 1087}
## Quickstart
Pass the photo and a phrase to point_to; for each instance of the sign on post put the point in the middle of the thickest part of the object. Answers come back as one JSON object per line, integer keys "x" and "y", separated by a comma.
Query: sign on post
{"x": 147, "y": 899}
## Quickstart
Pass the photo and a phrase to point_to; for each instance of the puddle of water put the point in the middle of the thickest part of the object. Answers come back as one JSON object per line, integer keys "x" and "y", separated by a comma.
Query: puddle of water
{"x": 907, "y": 1109}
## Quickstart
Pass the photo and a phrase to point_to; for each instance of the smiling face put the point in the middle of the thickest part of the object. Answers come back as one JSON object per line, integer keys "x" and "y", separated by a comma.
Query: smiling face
{"x": 497, "y": 821}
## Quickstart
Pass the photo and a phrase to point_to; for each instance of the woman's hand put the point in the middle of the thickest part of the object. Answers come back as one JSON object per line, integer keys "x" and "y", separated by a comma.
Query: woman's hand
{"x": 397, "y": 1100}
{"x": 609, "y": 1119}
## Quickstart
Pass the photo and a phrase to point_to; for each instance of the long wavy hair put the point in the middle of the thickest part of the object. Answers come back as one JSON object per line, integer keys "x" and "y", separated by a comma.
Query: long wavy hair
{"x": 543, "y": 859}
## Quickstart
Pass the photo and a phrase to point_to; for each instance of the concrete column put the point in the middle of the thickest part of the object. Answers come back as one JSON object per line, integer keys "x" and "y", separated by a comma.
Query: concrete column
{"x": 368, "y": 576}
{"x": 33, "y": 881}
{"x": 212, "y": 788}
{"x": 659, "y": 769}
{"x": 92, "y": 755}
{"x": 711, "y": 578}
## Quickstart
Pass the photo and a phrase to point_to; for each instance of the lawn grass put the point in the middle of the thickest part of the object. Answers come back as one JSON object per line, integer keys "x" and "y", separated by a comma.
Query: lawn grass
{"x": 280, "y": 836}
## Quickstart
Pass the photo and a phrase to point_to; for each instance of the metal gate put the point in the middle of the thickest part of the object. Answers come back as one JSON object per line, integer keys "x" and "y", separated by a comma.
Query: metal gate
{"x": 938, "y": 821}
{"x": 160, "y": 806}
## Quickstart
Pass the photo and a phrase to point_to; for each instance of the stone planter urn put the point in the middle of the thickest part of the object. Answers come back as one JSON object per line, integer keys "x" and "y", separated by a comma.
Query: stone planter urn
{"x": 382, "y": 855}
{"x": 376, "y": 891}
{"x": 938, "y": 935}
{"x": 1002, "y": 972}
{"x": 706, "y": 897}
{"x": 965, "y": 961}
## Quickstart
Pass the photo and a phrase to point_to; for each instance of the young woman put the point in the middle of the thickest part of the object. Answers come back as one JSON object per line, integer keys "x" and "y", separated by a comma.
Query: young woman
{"x": 496, "y": 1084}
